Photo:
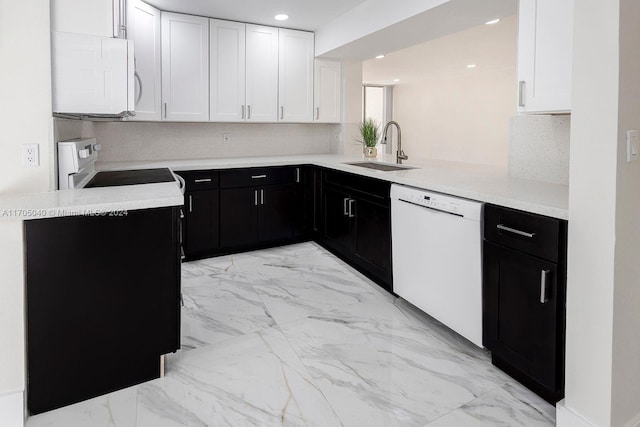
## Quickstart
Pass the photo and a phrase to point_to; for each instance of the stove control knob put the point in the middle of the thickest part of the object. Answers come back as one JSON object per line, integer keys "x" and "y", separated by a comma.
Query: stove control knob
{"x": 84, "y": 153}
{"x": 97, "y": 147}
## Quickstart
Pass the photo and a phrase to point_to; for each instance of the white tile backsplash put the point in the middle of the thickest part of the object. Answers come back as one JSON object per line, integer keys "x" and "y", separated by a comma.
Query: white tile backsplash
{"x": 539, "y": 148}
{"x": 137, "y": 141}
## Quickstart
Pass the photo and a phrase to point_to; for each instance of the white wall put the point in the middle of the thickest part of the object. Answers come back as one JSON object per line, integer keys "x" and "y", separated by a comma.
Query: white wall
{"x": 25, "y": 117}
{"x": 626, "y": 303}
{"x": 449, "y": 112}
{"x": 25, "y": 87}
{"x": 122, "y": 141}
{"x": 603, "y": 296}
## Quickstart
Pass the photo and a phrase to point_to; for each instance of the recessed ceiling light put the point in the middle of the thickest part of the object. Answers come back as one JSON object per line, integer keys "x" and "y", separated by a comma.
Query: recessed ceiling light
{"x": 379, "y": 56}
{"x": 396, "y": 80}
{"x": 281, "y": 17}
{"x": 493, "y": 21}
{"x": 471, "y": 66}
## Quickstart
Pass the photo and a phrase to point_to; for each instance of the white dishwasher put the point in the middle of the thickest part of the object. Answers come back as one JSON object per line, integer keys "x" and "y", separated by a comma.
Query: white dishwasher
{"x": 437, "y": 254}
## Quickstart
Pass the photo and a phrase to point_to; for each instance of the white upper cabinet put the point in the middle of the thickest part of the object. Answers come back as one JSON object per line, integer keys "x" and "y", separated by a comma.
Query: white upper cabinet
{"x": 92, "y": 17}
{"x": 185, "y": 67}
{"x": 227, "y": 71}
{"x": 296, "y": 52}
{"x": 545, "y": 45}
{"x": 262, "y": 74}
{"x": 328, "y": 91}
{"x": 143, "y": 27}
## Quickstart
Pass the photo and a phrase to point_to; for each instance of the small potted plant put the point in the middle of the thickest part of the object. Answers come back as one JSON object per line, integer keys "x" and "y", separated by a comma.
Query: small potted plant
{"x": 369, "y": 131}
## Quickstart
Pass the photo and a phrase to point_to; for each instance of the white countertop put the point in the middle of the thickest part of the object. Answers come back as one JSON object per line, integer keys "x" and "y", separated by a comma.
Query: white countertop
{"x": 476, "y": 182}
{"x": 89, "y": 201}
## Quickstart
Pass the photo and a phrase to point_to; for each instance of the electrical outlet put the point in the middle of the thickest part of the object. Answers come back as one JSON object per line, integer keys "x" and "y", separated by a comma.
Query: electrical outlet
{"x": 338, "y": 137}
{"x": 226, "y": 137}
{"x": 30, "y": 155}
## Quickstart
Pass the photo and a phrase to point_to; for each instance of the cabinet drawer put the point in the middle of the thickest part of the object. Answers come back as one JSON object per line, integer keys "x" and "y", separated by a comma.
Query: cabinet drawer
{"x": 200, "y": 180}
{"x": 369, "y": 186}
{"x": 530, "y": 233}
{"x": 251, "y": 177}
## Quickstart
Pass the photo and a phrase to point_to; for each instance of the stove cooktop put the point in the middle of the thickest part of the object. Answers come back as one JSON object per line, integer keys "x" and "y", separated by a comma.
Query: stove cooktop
{"x": 130, "y": 177}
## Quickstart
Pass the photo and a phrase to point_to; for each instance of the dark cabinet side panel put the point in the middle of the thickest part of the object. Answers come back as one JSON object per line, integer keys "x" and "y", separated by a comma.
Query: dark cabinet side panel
{"x": 99, "y": 323}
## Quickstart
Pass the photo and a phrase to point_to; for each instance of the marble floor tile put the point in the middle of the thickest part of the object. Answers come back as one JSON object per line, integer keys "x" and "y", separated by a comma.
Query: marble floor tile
{"x": 381, "y": 372}
{"x": 117, "y": 409}
{"x": 256, "y": 379}
{"x": 509, "y": 406}
{"x": 218, "y": 308}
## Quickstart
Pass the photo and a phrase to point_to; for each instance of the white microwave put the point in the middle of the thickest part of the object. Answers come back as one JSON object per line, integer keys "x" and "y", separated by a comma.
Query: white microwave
{"x": 92, "y": 76}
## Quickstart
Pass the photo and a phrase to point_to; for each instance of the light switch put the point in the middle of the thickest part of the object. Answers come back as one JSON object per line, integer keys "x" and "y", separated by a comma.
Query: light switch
{"x": 632, "y": 145}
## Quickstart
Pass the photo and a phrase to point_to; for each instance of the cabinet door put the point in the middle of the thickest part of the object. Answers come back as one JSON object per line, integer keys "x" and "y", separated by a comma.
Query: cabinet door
{"x": 275, "y": 213}
{"x": 227, "y": 71}
{"x": 143, "y": 27}
{"x": 238, "y": 217}
{"x": 336, "y": 233}
{"x": 185, "y": 67}
{"x": 262, "y": 73}
{"x": 202, "y": 232}
{"x": 545, "y": 46}
{"x": 327, "y": 91}
{"x": 295, "y": 76}
{"x": 371, "y": 232}
{"x": 520, "y": 317}
{"x": 91, "y": 17}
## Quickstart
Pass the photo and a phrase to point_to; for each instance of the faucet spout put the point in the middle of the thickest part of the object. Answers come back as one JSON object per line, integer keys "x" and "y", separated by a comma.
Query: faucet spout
{"x": 400, "y": 155}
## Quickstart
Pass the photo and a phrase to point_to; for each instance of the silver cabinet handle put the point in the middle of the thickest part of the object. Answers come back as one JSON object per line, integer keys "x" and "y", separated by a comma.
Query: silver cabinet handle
{"x": 255, "y": 197}
{"x": 262, "y": 197}
{"x": 165, "y": 110}
{"x": 242, "y": 112}
{"x": 181, "y": 214}
{"x": 521, "y": 84}
{"x": 281, "y": 112}
{"x": 248, "y": 112}
{"x": 317, "y": 113}
{"x": 182, "y": 255}
{"x": 190, "y": 203}
{"x": 544, "y": 298}
{"x": 351, "y": 210}
{"x": 297, "y": 175}
{"x": 514, "y": 231}
{"x": 258, "y": 176}
{"x": 345, "y": 210}
{"x": 203, "y": 180}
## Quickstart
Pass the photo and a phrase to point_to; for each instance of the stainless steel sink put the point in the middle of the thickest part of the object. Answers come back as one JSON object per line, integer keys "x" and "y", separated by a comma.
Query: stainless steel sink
{"x": 387, "y": 167}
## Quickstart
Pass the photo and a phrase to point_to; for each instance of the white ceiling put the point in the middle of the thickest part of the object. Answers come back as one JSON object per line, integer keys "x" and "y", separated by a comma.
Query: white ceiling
{"x": 303, "y": 14}
{"x": 489, "y": 47}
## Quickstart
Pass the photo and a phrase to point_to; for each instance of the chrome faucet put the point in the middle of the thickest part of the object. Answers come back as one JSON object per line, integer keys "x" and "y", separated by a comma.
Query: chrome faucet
{"x": 400, "y": 156}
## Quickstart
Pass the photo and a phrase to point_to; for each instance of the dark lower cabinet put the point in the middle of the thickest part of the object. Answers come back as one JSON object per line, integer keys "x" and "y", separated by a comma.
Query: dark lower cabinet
{"x": 275, "y": 213}
{"x": 202, "y": 222}
{"x": 337, "y": 223}
{"x": 357, "y": 227}
{"x": 371, "y": 229}
{"x": 102, "y": 303}
{"x": 238, "y": 210}
{"x": 524, "y": 298}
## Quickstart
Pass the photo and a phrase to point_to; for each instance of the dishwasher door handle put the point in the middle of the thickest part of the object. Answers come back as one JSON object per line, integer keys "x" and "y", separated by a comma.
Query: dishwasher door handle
{"x": 345, "y": 206}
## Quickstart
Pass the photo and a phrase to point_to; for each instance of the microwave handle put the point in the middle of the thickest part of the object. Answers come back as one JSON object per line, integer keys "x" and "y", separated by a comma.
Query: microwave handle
{"x": 131, "y": 78}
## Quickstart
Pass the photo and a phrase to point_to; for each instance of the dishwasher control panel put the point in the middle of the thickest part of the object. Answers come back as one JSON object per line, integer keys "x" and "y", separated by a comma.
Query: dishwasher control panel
{"x": 437, "y": 201}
